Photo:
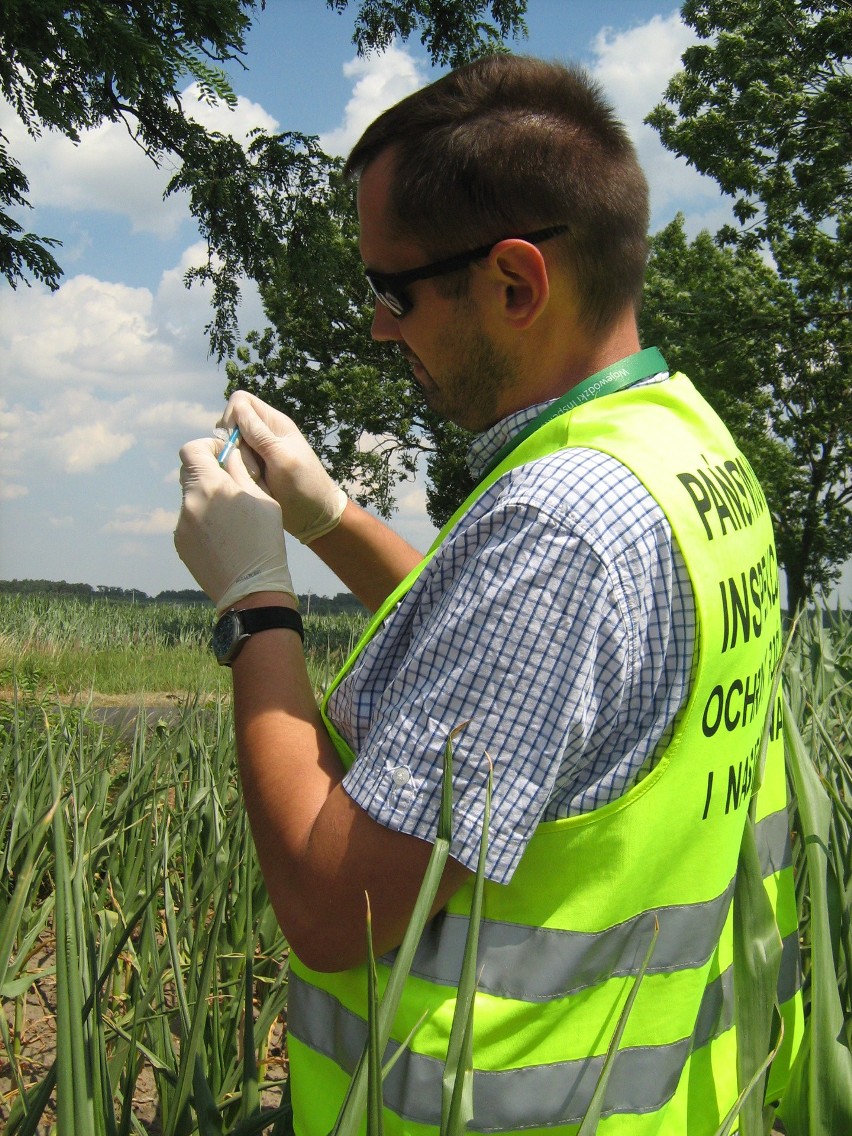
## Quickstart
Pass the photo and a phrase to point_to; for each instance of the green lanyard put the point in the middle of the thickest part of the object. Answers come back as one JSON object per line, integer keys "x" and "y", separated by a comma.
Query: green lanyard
{"x": 626, "y": 373}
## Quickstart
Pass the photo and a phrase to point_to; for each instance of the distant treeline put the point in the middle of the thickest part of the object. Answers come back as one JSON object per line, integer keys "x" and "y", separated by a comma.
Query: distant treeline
{"x": 316, "y": 605}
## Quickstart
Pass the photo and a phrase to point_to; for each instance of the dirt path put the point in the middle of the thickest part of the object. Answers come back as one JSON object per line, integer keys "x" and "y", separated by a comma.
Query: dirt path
{"x": 118, "y": 711}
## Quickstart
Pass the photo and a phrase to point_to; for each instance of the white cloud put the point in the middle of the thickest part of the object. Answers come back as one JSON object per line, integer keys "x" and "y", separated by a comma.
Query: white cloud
{"x": 635, "y": 65}
{"x": 96, "y": 335}
{"x": 412, "y": 502}
{"x": 97, "y": 370}
{"x": 108, "y": 171}
{"x": 85, "y": 447}
{"x": 634, "y": 68}
{"x": 238, "y": 121}
{"x": 10, "y": 491}
{"x": 411, "y": 520}
{"x": 154, "y": 522}
{"x": 380, "y": 81}
{"x": 105, "y": 171}
{"x": 189, "y": 417}
{"x": 88, "y": 332}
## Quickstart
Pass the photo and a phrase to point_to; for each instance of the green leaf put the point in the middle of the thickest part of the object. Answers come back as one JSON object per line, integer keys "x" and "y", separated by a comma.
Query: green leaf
{"x": 74, "y": 1106}
{"x": 819, "y": 1099}
{"x": 457, "y": 1082}
{"x": 375, "y": 1103}
{"x": 355, "y": 1101}
{"x": 757, "y": 962}
{"x": 593, "y": 1113}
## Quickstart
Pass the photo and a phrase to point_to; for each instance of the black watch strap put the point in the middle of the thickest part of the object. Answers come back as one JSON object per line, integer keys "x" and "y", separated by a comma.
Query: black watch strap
{"x": 268, "y": 618}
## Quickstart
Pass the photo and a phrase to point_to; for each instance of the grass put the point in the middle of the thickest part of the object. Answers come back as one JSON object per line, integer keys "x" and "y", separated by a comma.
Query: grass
{"x": 73, "y": 647}
{"x": 142, "y": 973}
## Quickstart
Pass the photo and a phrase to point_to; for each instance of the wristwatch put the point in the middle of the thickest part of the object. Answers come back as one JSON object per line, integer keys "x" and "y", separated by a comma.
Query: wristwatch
{"x": 232, "y": 630}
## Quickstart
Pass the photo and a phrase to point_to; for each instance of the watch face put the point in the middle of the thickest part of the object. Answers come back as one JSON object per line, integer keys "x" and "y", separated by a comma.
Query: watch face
{"x": 226, "y": 635}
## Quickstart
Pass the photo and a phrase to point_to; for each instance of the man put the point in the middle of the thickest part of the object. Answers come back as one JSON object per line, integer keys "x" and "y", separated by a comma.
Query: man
{"x": 601, "y": 615}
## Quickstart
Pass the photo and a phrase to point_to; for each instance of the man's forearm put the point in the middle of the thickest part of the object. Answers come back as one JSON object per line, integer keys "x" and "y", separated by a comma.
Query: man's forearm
{"x": 319, "y": 851}
{"x": 366, "y": 555}
{"x": 288, "y": 769}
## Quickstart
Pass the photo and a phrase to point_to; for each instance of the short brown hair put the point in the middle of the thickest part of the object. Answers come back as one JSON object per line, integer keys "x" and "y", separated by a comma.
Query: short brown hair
{"x": 509, "y": 144}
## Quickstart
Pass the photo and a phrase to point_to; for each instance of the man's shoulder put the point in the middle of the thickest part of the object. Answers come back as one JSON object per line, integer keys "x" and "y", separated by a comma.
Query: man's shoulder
{"x": 584, "y": 488}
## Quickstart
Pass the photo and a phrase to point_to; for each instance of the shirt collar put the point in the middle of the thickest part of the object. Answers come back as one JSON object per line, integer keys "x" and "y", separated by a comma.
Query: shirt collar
{"x": 485, "y": 445}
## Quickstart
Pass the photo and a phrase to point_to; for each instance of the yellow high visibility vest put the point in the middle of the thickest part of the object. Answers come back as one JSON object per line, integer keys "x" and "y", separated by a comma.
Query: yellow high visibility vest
{"x": 560, "y": 946}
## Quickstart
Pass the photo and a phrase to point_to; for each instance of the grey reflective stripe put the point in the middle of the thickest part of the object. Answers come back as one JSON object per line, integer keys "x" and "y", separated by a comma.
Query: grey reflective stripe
{"x": 539, "y": 964}
{"x": 716, "y": 1012}
{"x": 772, "y": 836}
{"x": 643, "y": 1078}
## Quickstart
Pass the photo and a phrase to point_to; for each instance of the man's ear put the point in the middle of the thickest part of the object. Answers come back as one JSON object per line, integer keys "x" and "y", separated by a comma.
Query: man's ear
{"x": 520, "y": 272}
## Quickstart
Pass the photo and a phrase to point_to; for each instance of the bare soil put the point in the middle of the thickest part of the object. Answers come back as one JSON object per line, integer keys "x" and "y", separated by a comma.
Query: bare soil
{"x": 36, "y": 1046}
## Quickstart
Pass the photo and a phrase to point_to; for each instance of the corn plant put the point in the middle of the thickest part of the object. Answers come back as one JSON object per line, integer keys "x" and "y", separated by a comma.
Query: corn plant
{"x": 135, "y": 865}
{"x": 818, "y": 743}
{"x": 131, "y": 896}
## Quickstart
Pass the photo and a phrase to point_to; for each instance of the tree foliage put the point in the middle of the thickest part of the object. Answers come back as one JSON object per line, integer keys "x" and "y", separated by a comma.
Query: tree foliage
{"x": 452, "y": 31}
{"x": 70, "y": 67}
{"x": 275, "y": 211}
{"x": 245, "y": 200}
{"x": 724, "y": 316}
{"x": 763, "y": 106}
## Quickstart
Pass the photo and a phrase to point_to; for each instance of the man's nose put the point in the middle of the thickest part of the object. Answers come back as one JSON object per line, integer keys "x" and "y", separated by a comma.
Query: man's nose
{"x": 385, "y": 325}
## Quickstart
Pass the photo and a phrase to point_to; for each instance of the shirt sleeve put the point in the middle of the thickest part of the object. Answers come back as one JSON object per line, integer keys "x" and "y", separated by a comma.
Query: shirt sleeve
{"x": 526, "y": 634}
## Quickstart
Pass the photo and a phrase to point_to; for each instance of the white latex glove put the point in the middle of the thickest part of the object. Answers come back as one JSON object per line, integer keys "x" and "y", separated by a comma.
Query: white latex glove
{"x": 229, "y": 532}
{"x": 311, "y": 503}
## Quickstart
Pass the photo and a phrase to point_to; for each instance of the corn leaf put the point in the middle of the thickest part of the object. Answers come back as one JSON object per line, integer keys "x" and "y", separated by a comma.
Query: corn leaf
{"x": 748, "y": 1090}
{"x": 375, "y": 1103}
{"x": 74, "y": 1110}
{"x": 593, "y": 1114}
{"x": 250, "y": 1095}
{"x": 757, "y": 962}
{"x": 355, "y": 1101}
{"x": 10, "y": 924}
{"x": 191, "y": 1071}
{"x": 457, "y": 1082}
{"x": 280, "y": 1119}
{"x": 819, "y": 1099}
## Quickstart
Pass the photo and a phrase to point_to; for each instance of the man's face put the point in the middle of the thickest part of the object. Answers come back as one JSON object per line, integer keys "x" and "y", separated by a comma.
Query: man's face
{"x": 462, "y": 372}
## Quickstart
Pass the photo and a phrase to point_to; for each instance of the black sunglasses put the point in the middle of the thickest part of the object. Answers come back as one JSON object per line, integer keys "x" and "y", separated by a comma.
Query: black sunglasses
{"x": 389, "y": 287}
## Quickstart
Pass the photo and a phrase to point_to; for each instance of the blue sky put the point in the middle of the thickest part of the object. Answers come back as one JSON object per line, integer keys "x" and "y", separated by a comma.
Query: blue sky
{"x": 103, "y": 380}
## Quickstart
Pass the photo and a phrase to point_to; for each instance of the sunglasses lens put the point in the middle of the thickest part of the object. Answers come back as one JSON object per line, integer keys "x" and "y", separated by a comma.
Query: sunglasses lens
{"x": 394, "y": 303}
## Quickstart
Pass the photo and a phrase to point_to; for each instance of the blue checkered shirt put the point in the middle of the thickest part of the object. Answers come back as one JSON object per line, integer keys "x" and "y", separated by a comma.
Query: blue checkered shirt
{"x": 557, "y": 620}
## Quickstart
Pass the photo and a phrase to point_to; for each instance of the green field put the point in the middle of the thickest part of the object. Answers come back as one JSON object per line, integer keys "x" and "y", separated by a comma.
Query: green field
{"x": 142, "y": 972}
{"x": 73, "y": 647}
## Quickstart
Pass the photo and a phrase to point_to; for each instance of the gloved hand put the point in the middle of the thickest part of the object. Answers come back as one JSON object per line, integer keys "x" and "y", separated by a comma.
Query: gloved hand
{"x": 311, "y": 503}
{"x": 229, "y": 532}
